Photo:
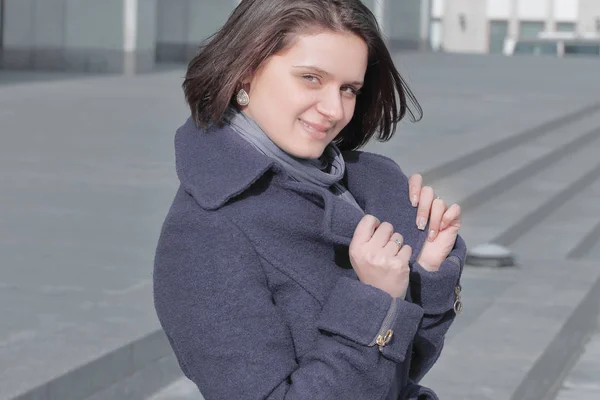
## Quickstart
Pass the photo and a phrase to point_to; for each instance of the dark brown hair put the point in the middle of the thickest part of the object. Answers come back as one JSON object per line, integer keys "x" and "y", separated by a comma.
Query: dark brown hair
{"x": 258, "y": 29}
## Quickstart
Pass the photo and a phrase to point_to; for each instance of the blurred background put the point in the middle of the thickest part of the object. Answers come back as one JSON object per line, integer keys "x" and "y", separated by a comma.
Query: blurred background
{"x": 90, "y": 98}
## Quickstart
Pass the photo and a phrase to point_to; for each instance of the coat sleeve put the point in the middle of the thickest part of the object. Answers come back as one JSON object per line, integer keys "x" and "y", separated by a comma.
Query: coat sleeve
{"x": 435, "y": 292}
{"x": 418, "y": 392}
{"x": 213, "y": 301}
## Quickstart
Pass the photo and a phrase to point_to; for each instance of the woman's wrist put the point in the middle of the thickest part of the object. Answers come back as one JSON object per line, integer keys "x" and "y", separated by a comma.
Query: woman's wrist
{"x": 429, "y": 265}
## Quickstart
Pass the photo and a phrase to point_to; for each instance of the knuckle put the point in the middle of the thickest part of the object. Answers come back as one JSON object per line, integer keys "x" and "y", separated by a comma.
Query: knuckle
{"x": 386, "y": 226}
{"x": 379, "y": 260}
{"x": 370, "y": 257}
{"x": 371, "y": 218}
{"x": 400, "y": 262}
{"x": 400, "y": 267}
{"x": 424, "y": 205}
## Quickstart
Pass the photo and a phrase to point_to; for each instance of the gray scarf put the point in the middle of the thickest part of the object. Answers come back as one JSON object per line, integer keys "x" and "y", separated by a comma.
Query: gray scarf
{"x": 325, "y": 172}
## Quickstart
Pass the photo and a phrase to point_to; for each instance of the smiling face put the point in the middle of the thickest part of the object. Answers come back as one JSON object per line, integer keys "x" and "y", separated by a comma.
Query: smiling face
{"x": 305, "y": 95}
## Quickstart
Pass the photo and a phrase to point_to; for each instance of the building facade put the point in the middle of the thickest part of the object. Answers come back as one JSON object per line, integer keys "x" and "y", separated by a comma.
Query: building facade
{"x": 133, "y": 35}
{"x": 481, "y": 26}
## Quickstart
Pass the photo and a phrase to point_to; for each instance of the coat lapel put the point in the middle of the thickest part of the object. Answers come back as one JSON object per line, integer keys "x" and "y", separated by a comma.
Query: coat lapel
{"x": 381, "y": 189}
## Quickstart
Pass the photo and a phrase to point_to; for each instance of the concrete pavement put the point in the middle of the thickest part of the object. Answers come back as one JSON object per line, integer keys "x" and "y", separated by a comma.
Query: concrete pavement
{"x": 86, "y": 177}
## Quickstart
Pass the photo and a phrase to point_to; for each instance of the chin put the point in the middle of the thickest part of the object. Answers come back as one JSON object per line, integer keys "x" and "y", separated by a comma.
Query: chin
{"x": 307, "y": 153}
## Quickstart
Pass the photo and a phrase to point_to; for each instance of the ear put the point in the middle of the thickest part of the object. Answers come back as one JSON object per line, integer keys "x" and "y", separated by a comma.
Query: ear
{"x": 244, "y": 84}
{"x": 248, "y": 77}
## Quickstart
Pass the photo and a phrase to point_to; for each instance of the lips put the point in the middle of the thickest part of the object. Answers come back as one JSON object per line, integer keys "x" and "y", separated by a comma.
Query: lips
{"x": 316, "y": 127}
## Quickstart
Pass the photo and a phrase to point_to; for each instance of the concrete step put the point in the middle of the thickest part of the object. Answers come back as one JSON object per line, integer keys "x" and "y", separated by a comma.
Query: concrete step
{"x": 181, "y": 389}
{"x": 569, "y": 232}
{"x": 88, "y": 180}
{"x": 583, "y": 382}
{"x": 438, "y": 152}
{"x": 519, "y": 331}
{"x": 512, "y": 317}
{"x": 507, "y": 209}
{"x": 81, "y": 212}
{"x": 498, "y": 173}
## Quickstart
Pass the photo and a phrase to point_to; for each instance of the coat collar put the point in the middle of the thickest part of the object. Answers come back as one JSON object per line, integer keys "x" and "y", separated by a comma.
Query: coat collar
{"x": 217, "y": 164}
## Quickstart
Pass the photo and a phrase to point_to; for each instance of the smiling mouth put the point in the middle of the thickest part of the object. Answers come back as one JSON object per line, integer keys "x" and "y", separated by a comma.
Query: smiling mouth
{"x": 310, "y": 127}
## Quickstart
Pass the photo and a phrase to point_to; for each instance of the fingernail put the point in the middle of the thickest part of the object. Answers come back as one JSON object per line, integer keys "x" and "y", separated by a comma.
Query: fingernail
{"x": 421, "y": 223}
{"x": 431, "y": 234}
{"x": 414, "y": 201}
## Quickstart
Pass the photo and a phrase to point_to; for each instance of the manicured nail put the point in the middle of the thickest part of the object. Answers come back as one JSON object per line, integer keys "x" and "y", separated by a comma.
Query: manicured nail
{"x": 414, "y": 201}
{"x": 431, "y": 234}
{"x": 421, "y": 223}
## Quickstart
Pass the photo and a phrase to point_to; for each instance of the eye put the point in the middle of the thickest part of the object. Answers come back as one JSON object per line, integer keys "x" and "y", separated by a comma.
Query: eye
{"x": 351, "y": 90}
{"x": 311, "y": 78}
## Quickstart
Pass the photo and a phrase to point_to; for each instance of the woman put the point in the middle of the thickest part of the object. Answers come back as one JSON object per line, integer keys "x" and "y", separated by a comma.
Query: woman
{"x": 290, "y": 265}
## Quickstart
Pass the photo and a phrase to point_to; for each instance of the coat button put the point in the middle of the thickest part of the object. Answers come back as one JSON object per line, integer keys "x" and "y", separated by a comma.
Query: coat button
{"x": 382, "y": 340}
{"x": 458, "y": 305}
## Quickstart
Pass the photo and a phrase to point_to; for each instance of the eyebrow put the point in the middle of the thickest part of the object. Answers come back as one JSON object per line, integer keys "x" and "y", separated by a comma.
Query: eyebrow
{"x": 323, "y": 72}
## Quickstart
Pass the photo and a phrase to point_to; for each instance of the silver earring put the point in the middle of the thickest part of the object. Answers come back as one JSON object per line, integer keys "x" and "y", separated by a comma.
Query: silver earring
{"x": 242, "y": 98}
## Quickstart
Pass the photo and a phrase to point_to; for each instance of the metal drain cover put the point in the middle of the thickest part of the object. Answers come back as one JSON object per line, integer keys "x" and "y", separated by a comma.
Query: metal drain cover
{"x": 490, "y": 255}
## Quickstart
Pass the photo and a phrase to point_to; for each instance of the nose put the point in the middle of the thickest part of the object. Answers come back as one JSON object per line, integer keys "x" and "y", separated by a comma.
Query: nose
{"x": 331, "y": 106}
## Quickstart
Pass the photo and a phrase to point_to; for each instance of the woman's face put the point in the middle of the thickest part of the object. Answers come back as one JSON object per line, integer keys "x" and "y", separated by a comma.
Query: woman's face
{"x": 305, "y": 95}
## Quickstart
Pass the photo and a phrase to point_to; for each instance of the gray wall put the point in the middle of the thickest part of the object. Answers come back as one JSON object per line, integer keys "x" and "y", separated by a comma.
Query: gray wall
{"x": 370, "y": 4}
{"x": 88, "y": 35}
{"x": 183, "y": 24}
{"x": 78, "y": 35}
{"x": 403, "y": 24}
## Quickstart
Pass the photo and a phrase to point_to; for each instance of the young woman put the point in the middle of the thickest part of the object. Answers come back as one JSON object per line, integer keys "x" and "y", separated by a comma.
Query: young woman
{"x": 291, "y": 265}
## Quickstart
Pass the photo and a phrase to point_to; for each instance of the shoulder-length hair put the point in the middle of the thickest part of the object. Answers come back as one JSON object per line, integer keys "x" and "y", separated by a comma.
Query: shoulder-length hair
{"x": 258, "y": 29}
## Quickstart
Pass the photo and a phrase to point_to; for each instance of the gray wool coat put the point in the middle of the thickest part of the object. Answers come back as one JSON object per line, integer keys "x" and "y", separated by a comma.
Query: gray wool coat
{"x": 255, "y": 291}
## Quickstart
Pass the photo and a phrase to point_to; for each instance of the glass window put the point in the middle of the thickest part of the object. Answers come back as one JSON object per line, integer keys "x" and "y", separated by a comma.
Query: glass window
{"x": 582, "y": 49}
{"x": 498, "y": 32}
{"x": 565, "y": 26}
{"x": 538, "y": 49}
{"x": 530, "y": 29}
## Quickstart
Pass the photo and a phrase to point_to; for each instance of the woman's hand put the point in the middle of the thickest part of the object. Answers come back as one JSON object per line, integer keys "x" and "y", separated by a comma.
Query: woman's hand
{"x": 444, "y": 223}
{"x": 379, "y": 257}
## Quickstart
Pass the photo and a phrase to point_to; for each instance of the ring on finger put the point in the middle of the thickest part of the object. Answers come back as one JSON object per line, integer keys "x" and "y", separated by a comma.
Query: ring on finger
{"x": 398, "y": 242}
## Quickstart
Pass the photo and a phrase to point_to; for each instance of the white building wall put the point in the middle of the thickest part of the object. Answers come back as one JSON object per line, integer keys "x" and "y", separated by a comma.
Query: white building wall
{"x": 436, "y": 24}
{"x": 437, "y": 9}
{"x": 585, "y": 14}
{"x": 589, "y": 15}
{"x": 499, "y": 9}
{"x": 533, "y": 10}
{"x": 470, "y": 38}
{"x": 566, "y": 10}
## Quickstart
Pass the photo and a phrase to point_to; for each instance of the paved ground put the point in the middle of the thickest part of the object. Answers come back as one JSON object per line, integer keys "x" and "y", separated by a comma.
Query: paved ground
{"x": 86, "y": 177}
